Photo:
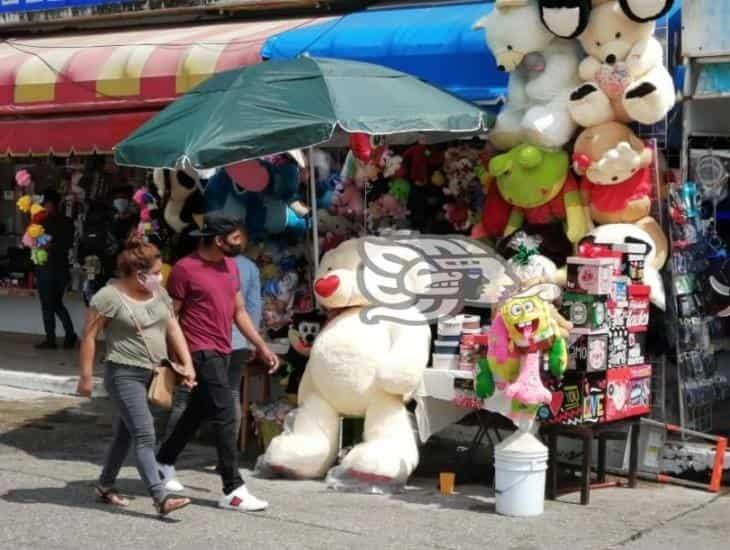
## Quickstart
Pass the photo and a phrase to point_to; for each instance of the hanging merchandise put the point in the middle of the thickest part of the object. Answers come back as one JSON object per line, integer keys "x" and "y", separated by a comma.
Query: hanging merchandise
{"x": 616, "y": 177}
{"x": 303, "y": 330}
{"x": 147, "y": 204}
{"x": 624, "y": 74}
{"x": 569, "y": 18}
{"x": 542, "y": 70}
{"x": 539, "y": 188}
{"x": 35, "y": 237}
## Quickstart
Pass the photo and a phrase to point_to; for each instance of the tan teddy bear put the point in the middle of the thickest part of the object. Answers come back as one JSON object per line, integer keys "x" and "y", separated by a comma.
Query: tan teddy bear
{"x": 624, "y": 74}
{"x": 616, "y": 180}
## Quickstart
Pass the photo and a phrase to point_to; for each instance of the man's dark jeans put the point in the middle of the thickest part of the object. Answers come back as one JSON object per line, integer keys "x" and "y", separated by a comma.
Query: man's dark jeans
{"x": 211, "y": 400}
{"x": 52, "y": 285}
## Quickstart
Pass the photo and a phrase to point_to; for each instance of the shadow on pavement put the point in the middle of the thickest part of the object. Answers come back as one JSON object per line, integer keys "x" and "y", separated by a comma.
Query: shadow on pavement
{"x": 80, "y": 494}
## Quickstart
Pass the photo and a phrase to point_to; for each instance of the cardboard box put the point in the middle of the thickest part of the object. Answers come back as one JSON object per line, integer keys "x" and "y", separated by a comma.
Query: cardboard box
{"x": 628, "y": 392}
{"x": 578, "y": 398}
{"x": 618, "y": 315}
{"x": 590, "y": 275}
{"x": 638, "y": 319}
{"x": 585, "y": 311}
{"x": 588, "y": 351}
{"x": 618, "y": 347}
{"x": 637, "y": 348}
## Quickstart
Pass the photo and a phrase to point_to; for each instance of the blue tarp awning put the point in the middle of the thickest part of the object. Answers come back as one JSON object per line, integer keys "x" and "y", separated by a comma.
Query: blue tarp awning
{"x": 435, "y": 43}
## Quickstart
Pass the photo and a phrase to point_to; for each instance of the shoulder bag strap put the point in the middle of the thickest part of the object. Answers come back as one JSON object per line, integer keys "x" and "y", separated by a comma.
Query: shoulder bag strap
{"x": 137, "y": 326}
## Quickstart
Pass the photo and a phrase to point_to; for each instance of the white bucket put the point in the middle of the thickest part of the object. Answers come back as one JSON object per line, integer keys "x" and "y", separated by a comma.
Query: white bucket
{"x": 520, "y": 463}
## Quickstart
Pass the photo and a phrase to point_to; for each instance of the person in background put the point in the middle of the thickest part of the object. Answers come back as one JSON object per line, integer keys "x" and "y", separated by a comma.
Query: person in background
{"x": 206, "y": 292}
{"x": 243, "y": 350}
{"x": 136, "y": 315}
{"x": 52, "y": 278}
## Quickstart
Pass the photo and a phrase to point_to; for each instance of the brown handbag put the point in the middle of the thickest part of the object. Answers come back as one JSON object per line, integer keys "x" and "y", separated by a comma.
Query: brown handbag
{"x": 165, "y": 374}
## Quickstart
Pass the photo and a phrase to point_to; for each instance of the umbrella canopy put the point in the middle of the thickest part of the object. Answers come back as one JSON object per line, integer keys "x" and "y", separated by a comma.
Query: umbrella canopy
{"x": 277, "y": 106}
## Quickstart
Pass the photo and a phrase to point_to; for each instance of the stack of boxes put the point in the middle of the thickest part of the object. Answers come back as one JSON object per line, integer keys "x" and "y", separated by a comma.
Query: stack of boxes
{"x": 607, "y": 378}
{"x": 458, "y": 343}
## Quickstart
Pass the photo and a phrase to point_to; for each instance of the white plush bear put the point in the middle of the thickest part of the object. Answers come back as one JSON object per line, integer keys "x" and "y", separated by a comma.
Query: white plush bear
{"x": 543, "y": 71}
{"x": 354, "y": 369}
{"x": 624, "y": 72}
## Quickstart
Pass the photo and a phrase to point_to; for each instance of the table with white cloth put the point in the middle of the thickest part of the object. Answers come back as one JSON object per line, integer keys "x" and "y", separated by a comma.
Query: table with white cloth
{"x": 447, "y": 396}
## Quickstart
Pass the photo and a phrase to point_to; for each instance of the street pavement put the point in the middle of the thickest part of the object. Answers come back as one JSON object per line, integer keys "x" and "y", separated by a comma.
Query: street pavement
{"x": 51, "y": 448}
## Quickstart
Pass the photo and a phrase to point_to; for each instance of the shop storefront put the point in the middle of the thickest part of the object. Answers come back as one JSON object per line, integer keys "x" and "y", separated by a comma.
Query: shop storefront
{"x": 66, "y": 101}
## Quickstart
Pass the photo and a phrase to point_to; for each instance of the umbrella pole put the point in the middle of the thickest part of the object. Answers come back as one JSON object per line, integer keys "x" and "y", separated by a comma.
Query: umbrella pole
{"x": 313, "y": 202}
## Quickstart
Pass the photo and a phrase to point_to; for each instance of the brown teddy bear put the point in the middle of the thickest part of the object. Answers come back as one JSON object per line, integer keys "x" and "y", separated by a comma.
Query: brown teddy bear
{"x": 616, "y": 178}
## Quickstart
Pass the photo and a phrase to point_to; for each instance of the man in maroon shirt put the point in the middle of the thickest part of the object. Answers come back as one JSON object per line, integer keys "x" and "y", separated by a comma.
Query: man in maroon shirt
{"x": 205, "y": 288}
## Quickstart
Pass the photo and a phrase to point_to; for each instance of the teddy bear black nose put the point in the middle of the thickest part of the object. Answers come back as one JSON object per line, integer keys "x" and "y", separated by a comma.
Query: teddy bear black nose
{"x": 610, "y": 59}
{"x": 501, "y": 68}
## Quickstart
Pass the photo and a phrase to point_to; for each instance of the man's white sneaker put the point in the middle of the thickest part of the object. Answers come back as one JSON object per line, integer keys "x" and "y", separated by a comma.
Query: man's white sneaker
{"x": 243, "y": 501}
{"x": 169, "y": 479}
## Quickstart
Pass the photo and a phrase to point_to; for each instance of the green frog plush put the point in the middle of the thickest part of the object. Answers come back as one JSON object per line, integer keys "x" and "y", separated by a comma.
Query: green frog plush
{"x": 537, "y": 186}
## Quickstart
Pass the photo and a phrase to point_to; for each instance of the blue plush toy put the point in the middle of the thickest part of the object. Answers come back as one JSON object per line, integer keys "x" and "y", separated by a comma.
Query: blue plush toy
{"x": 266, "y": 212}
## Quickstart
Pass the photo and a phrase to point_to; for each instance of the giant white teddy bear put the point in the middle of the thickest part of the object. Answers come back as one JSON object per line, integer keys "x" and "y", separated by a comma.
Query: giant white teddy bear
{"x": 354, "y": 369}
{"x": 543, "y": 71}
{"x": 624, "y": 73}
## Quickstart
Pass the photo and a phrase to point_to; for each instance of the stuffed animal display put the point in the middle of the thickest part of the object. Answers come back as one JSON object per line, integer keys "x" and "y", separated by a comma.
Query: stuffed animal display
{"x": 539, "y": 188}
{"x": 543, "y": 72}
{"x": 355, "y": 369}
{"x": 624, "y": 73}
{"x": 569, "y": 18}
{"x": 303, "y": 331}
{"x": 525, "y": 327}
{"x": 616, "y": 179}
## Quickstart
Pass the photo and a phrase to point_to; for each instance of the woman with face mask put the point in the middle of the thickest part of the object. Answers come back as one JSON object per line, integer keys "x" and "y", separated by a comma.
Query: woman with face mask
{"x": 136, "y": 315}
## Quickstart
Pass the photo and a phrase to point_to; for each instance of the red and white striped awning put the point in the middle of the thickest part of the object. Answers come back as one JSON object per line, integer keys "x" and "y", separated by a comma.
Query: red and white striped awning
{"x": 119, "y": 77}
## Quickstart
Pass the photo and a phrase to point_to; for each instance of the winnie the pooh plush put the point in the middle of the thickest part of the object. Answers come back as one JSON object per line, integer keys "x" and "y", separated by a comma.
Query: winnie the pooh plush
{"x": 538, "y": 187}
{"x": 624, "y": 73}
{"x": 543, "y": 71}
{"x": 357, "y": 369}
{"x": 569, "y": 18}
{"x": 616, "y": 177}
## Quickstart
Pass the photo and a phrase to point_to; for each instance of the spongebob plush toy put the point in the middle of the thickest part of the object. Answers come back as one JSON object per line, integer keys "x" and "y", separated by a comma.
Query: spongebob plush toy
{"x": 525, "y": 327}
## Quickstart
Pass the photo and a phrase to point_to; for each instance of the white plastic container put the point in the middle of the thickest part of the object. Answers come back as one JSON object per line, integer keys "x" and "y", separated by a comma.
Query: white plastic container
{"x": 450, "y": 326}
{"x": 471, "y": 322}
{"x": 446, "y": 362}
{"x": 520, "y": 464}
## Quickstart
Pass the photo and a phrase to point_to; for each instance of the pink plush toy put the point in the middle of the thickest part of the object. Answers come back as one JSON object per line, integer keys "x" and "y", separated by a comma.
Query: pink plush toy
{"x": 347, "y": 200}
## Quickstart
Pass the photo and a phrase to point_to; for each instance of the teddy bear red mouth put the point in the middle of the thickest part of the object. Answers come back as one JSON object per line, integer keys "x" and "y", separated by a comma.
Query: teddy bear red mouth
{"x": 327, "y": 286}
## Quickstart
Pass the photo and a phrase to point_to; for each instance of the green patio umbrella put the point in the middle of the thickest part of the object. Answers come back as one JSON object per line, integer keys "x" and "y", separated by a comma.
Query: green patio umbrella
{"x": 277, "y": 106}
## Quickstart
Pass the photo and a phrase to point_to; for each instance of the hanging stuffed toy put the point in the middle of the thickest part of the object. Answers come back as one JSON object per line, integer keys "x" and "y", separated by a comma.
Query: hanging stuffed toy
{"x": 146, "y": 204}
{"x": 624, "y": 74}
{"x": 569, "y": 18}
{"x": 420, "y": 161}
{"x": 616, "y": 180}
{"x": 543, "y": 71}
{"x": 525, "y": 328}
{"x": 539, "y": 188}
{"x": 35, "y": 237}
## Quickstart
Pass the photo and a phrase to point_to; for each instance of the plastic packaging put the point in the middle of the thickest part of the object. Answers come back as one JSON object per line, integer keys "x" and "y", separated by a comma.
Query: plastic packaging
{"x": 338, "y": 479}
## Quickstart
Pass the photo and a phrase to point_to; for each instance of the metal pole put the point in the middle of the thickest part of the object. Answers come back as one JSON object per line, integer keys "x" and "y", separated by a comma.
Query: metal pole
{"x": 313, "y": 202}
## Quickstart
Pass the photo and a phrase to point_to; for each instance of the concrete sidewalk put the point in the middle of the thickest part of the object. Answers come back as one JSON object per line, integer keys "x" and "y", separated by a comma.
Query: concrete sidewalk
{"x": 50, "y": 452}
{"x": 55, "y": 371}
